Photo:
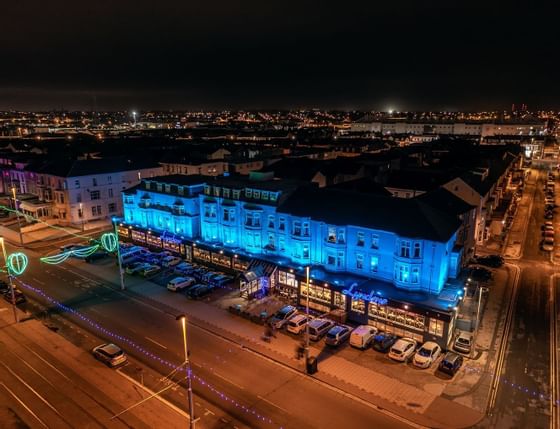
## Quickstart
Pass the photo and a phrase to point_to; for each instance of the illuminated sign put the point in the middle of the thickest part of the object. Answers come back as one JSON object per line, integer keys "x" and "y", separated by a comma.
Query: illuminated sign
{"x": 371, "y": 297}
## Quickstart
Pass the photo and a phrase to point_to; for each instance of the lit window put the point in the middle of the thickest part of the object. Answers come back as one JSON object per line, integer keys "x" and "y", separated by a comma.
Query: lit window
{"x": 331, "y": 237}
{"x": 374, "y": 264}
{"x": 405, "y": 249}
{"x": 375, "y": 241}
{"x": 360, "y": 239}
{"x": 249, "y": 193}
{"x": 256, "y": 194}
{"x": 415, "y": 277}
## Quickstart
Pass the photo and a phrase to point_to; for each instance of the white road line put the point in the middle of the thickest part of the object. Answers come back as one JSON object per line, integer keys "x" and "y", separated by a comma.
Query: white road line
{"x": 47, "y": 362}
{"x": 273, "y": 404}
{"x": 38, "y": 281}
{"x": 47, "y": 403}
{"x": 23, "y": 404}
{"x": 208, "y": 412}
{"x": 229, "y": 381}
{"x": 155, "y": 342}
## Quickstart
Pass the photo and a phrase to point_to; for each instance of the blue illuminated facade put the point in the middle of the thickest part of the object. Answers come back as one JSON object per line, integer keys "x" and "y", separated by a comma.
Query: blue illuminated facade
{"x": 257, "y": 217}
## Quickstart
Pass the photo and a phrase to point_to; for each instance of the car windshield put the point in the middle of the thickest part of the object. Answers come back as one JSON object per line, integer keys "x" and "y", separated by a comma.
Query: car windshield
{"x": 331, "y": 335}
{"x": 424, "y": 352}
{"x": 463, "y": 340}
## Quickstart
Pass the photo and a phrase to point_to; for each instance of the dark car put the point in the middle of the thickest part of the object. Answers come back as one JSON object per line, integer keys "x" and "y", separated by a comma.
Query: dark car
{"x": 4, "y": 286}
{"x": 480, "y": 274}
{"x": 199, "y": 292}
{"x": 96, "y": 256}
{"x": 450, "y": 363}
{"x": 494, "y": 261}
{"x": 20, "y": 297}
{"x": 383, "y": 341}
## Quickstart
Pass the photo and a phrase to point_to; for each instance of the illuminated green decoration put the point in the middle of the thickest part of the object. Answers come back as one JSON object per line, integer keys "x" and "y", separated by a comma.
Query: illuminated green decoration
{"x": 17, "y": 263}
{"x": 109, "y": 241}
{"x": 55, "y": 259}
{"x": 61, "y": 257}
{"x": 85, "y": 252}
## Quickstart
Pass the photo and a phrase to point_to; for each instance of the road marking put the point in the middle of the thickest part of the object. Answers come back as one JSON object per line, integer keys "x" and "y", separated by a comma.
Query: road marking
{"x": 229, "y": 381}
{"x": 47, "y": 362}
{"x": 31, "y": 388}
{"x": 155, "y": 342}
{"x": 38, "y": 281}
{"x": 273, "y": 404}
{"x": 208, "y": 412}
{"x": 23, "y": 404}
{"x": 153, "y": 394}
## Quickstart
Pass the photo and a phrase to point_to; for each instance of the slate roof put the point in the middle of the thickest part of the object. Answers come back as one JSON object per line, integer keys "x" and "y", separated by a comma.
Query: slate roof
{"x": 87, "y": 167}
{"x": 407, "y": 217}
{"x": 443, "y": 200}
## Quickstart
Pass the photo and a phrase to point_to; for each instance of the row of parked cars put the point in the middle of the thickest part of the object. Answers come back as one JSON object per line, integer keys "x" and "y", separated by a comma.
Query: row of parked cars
{"x": 547, "y": 243}
{"x": 365, "y": 336}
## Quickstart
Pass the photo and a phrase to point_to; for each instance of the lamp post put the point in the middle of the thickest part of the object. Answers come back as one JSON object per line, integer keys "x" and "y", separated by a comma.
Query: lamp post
{"x": 17, "y": 215}
{"x": 192, "y": 420}
{"x": 82, "y": 216}
{"x": 119, "y": 259}
{"x": 9, "y": 278}
{"x": 307, "y": 316}
{"x": 480, "y": 290}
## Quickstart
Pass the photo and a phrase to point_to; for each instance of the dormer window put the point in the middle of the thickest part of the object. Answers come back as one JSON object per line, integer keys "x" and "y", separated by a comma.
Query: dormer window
{"x": 207, "y": 190}
{"x": 216, "y": 191}
{"x": 264, "y": 196}
{"x": 159, "y": 187}
{"x": 147, "y": 184}
{"x": 273, "y": 196}
{"x": 236, "y": 193}
{"x": 249, "y": 193}
{"x": 256, "y": 194}
{"x": 180, "y": 190}
{"x": 167, "y": 189}
{"x": 225, "y": 192}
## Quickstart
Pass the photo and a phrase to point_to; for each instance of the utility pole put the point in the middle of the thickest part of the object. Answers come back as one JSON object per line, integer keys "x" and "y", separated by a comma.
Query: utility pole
{"x": 307, "y": 316}
{"x": 121, "y": 274}
{"x": 12, "y": 292}
{"x": 187, "y": 363}
{"x": 17, "y": 215}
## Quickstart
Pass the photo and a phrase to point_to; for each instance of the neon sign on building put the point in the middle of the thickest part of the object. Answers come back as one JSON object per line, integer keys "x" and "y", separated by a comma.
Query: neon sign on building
{"x": 371, "y": 297}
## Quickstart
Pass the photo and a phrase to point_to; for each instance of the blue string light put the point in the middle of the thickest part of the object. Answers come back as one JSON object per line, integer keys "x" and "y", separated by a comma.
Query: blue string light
{"x": 147, "y": 353}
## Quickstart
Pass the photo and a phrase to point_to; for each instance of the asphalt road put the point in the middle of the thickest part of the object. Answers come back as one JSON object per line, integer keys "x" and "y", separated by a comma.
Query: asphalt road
{"x": 289, "y": 399}
{"x": 527, "y": 363}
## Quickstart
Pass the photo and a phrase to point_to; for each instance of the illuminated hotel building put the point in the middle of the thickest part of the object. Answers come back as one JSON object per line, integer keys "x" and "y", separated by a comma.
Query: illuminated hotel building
{"x": 386, "y": 261}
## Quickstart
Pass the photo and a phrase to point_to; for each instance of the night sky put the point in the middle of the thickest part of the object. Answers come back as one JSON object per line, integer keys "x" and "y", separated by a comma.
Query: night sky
{"x": 163, "y": 54}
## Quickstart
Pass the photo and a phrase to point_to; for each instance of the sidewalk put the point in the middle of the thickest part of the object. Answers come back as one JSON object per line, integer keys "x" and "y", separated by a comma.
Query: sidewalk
{"x": 95, "y": 390}
{"x": 410, "y": 402}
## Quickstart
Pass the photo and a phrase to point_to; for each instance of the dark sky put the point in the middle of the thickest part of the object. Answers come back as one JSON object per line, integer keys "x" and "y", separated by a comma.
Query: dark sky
{"x": 163, "y": 54}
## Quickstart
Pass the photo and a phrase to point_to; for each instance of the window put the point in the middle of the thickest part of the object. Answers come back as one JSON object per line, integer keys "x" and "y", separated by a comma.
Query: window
{"x": 416, "y": 253}
{"x": 331, "y": 259}
{"x": 282, "y": 224}
{"x": 374, "y": 264}
{"x": 358, "y": 305}
{"x": 225, "y": 192}
{"x": 306, "y": 251}
{"x": 405, "y": 249}
{"x": 94, "y": 180}
{"x": 225, "y": 216}
{"x": 249, "y": 193}
{"x": 95, "y": 195}
{"x": 273, "y": 196}
{"x": 359, "y": 261}
{"x": 264, "y": 196}
{"x": 257, "y": 194}
{"x": 253, "y": 219}
{"x": 402, "y": 273}
{"x": 112, "y": 207}
{"x": 271, "y": 221}
{"x": 331, "y": 235}
{"x": 360, "y": 239}
{"x": 271, "y": 241}
{"x": 109, "y": 180}
{"x": 415, "y": 278}
{"x": 96, "y": 210}
{"x": 340, "y": 260}
{"x": 235, "y": 193}
{"x": 209, "y": 210}
{"x": 436, "y": 327}
{"x": 167, "y": 189}
{"x": 375, "y": 241}
{"x": 341, "y": 235}
{"x": 110, "y": 192}
{"x": 281, "y": 244}
{"x": 216, "y": 191}
{"x": 305, "y": 230}
{"x": 296, "y": 228}
{"x": 206, "y": 190}
{"x": 77, "y": 183}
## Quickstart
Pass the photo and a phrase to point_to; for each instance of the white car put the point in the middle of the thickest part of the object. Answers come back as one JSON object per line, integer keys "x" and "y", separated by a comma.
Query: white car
{"x": 109, "y": 354}
{"x": 170, "y": 261}
{"x": 403, "y": 349}
{"x": 463, "y": 342}
{"x": 548, "y": 244}
{"x": 180, "y": 283}
{"x": 362, "y": 336}
{"x": 297, "y": 324}
{"x": 427, "y": 354}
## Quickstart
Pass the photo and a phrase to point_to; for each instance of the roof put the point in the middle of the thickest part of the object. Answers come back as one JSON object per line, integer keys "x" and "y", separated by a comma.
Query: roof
{"x": 88, "y": 167}
{"x": 365, "y": 185}
{"x": 422, "y": 180}
{"x": 407, "y": 217}
{"x": 443, "y": 200}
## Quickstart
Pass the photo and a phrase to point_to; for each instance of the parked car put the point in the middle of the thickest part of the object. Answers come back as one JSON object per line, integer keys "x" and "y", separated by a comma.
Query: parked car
{"x": 150, "y": 270}
{"x": 362, "y": 336}
{"x": 403, "y": 349}
{"x": 199, "y": 291}
{"x": 548, "y": 244}
{"x": 109, "y": 354}
{"x": 549, "y": 214}
{"x": 463, "y": 342}
{"x": 318, "y": 328}
{"x": 296, "y": 324}
{"x": 337, "y": 335}
{"x": 221, "y": 280}
{"x": 494, "y": 261}
{"x": 450, "y": 363}
{"x": 180, "y": 283}
{"x": 426, "y": 355}
{"x": 547, "y": 226}
{"x": 4, "y": 286}
{"x": 281, "y": 317}
{"x": 71, "y": 246}
{"x": 383, "y": 341}
{"x": 136, "y": 267}
{"x": 96, "y": 256}
{"x": 184, "y": 266}
{"x": 170, "y": 261}
{"x": 547, "y": 233}
{"x": 480, "y": 274}
{"x": 18, "y": 295}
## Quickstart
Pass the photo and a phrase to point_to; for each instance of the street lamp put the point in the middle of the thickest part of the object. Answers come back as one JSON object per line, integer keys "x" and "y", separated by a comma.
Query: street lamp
{"x": 82, "y": 216}
{"x": 307, "y": 316}
{"x": 119, "y": 259}
{"x": 9, "y": 278}
{"x": 187, "y": 364}
{"x": 17, "y": 215}
{"x": 480, "y": 290}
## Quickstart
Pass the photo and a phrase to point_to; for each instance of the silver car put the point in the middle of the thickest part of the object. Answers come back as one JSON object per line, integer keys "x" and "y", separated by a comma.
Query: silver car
{"x": 109, "y": 354}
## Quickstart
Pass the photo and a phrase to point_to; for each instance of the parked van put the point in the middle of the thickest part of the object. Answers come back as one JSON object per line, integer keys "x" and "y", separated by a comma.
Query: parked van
{"x": 362, "y": 336}
{"x": 318, "y": 328}
{"x": 180, "y": 283}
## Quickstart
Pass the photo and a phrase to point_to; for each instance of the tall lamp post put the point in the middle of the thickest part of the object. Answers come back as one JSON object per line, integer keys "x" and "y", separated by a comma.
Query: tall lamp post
{"x": 17, "y": 215}
{"x": 119, "y": 259}
{"x": 9, "y": 278}
{"x": 307, "y": 316}
{"x": 82, "y": 216}
{"x": 187, "y": 363}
